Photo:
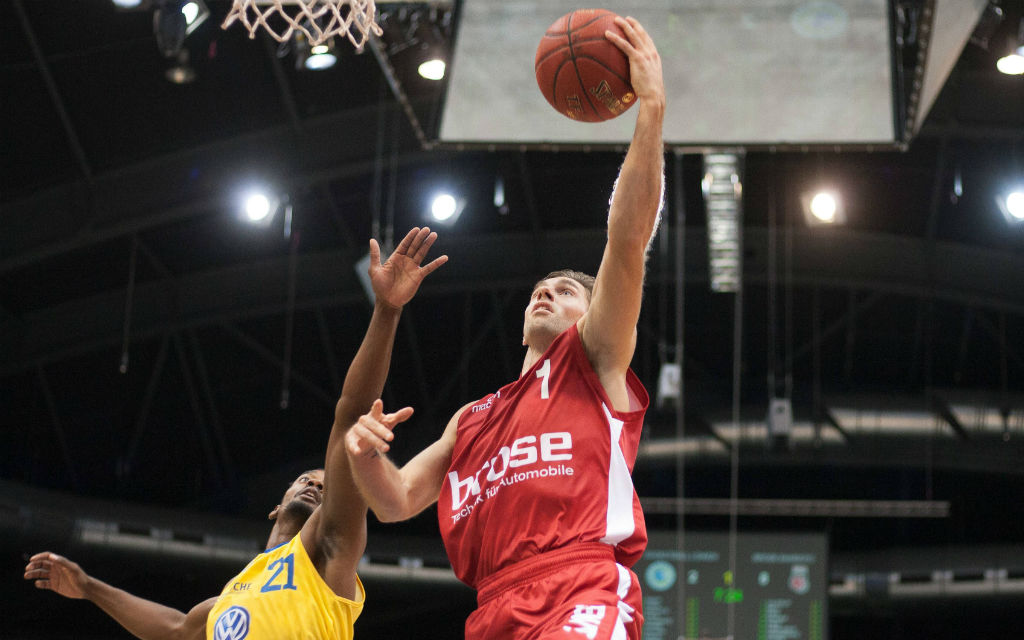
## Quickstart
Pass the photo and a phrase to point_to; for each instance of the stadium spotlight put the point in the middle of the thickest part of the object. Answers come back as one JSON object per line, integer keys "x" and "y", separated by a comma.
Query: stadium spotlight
{"x": 432, "y": 69}
{"x": 309, "y": 57}
{"x": 1012, "y": 64}
{"x": 446, "y": 208}
{"x": 174, "y": 20}
{"x": 1012, "y": 205}
{"x": 258, "y": 206}
{"x": 321, "y": 56}
{"x": 195, "y": 12}
{"x": 822, "y": 208}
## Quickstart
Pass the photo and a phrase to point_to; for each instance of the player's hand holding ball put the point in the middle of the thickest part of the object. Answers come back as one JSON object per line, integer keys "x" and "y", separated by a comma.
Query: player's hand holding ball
{"x": 592, "y": 65}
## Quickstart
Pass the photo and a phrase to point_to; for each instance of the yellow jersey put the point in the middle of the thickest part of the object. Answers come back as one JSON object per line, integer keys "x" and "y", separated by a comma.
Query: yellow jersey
{"x": 280, "y": 596}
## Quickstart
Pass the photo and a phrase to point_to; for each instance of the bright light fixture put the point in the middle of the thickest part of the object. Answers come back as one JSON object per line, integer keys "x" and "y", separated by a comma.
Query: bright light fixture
{"x": 432, "y": 69}
{"x": 320, "y": 56}
{"x": 318, "y": 61}
{"x": 824, "y": 207}
{"x": 191, "y": 11}
{"x": 257, "y": 207}
{"x": 446, "y": 208}
{"x": 1013, "y": 64}
{"x": 127, "y": 4}
{"x": 1011, "y": 204}
{"x": 443, "y": 207}
{"x": 196, "y": 12}
{"x": 1015, "y": 205}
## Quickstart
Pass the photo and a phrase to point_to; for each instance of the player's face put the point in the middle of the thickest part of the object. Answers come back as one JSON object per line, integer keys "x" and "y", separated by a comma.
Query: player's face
{"x": 306, "y": 489}
{"x": 555, "y": 305}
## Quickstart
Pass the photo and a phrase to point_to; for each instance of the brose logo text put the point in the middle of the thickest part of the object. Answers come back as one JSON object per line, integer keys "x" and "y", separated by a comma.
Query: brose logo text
{"x": 550, "y": 447}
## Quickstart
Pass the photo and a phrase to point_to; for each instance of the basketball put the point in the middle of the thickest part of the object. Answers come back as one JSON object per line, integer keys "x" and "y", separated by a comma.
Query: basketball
{"x": 582, "y": 74}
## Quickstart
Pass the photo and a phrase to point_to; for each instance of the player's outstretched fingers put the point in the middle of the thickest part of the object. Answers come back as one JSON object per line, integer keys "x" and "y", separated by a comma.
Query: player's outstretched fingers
{"x": 416, "y": 243}
{"x": 392, "y": 420}
{"x": 403, "y": 246}
{"x": 370, "y": 433}
{"x": 35, "y": 568}
{"x": 433, "y": 265}
{"x": 374, "y": 254}
{"x": 58, "y": 574}
{"x": 426, "y": 242}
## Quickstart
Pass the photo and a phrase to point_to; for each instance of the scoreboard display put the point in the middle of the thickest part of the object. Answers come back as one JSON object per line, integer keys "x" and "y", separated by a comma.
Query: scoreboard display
{"x": 777, "y": 588}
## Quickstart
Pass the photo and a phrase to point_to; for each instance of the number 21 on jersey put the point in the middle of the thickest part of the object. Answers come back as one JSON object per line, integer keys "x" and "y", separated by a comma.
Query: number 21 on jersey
{"x": 285, "y": 564}
{"x": 544, "y": 373}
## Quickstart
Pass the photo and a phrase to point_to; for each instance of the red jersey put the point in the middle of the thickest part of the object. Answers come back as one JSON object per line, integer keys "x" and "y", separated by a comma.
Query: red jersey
{"x": 543, "y": 463}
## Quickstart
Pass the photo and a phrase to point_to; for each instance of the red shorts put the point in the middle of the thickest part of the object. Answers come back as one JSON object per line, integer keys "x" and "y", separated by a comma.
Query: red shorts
{"x": 575, "y": 593}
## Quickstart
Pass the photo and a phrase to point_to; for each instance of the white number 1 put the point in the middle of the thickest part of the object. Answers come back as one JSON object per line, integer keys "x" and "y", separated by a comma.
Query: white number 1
{"x": 544, "y": 372}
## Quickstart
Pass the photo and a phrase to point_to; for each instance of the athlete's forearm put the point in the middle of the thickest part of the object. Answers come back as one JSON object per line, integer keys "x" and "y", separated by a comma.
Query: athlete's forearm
{"x": 395, "y": 494}
{"x": 368, "y": 370}
{"x": 636, "y": 200}
{"x": 143, "y": 618}
{"x": 344, "y": 512}
{"x": 380, "y": 483}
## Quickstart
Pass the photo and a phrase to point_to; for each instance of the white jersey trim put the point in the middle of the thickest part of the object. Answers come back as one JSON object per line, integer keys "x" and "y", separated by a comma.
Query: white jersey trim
{"x": 619, "y": 523}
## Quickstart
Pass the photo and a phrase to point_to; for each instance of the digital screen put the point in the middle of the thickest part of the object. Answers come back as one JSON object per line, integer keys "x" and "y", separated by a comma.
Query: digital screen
{"x": 736, "y": 71}
{"x": 777, "y": 591}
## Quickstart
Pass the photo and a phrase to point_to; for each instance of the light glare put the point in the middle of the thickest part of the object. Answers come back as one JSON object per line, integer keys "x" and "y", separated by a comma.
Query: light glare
{"x": 1015, "y": 204}
{"x": 191, "y": 11}
{"x": 181, "y": 74}
{"x": 823, "y": 207}
{"x": 257, "y": 207}
{"x": 443, "y": 207}
{"x": 319, "y": 61}
{"x": 432, "y": 69}
{"x": 127, "y": 4}
{"x": 1013, "y": 64}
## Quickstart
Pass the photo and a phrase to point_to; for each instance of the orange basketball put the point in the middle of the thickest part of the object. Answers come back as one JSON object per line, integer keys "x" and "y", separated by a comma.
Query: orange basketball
{"x": 580, "y": 72}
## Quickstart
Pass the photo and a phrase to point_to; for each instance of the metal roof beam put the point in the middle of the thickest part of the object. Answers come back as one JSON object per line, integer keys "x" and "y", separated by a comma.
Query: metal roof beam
{"x": 880, "y": 264}
{"x": 54, "y": 92}
{"x": 165, "y": 190}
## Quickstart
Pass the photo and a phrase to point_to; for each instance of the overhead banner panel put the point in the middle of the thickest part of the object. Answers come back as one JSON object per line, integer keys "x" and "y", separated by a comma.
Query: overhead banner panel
{"x": 754, "y": 72}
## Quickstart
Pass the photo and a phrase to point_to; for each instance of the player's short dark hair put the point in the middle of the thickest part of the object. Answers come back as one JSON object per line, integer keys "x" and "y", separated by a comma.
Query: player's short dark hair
{"x": 585, "y": 279}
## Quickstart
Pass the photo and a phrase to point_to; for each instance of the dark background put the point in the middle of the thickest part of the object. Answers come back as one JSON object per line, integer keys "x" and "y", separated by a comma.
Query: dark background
{"x": 111, "y": 175}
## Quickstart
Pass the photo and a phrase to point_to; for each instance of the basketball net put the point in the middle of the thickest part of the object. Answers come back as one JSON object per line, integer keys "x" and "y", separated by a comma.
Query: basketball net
{"x": 318, "y": 20}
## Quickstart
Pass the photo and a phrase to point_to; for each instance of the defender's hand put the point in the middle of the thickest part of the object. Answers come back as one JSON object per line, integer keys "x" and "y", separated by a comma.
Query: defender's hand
{"x": 56, "y": 573}
{"x": 372, "y": 433}
{"x": 396, "y": 281}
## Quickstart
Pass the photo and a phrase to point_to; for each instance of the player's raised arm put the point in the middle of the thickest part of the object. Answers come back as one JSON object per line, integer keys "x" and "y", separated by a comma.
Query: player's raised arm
{"x": 395, "y": 282}
{"x": 143, "y": 618}
{"x": 608, "y": 327}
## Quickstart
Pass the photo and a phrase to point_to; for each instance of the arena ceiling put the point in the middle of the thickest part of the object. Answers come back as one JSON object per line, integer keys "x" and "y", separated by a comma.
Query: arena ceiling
{"x": 144, "y": 331}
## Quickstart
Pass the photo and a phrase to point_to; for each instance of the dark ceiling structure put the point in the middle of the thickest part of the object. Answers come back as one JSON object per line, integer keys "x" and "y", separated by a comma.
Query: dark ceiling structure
{"x": 166, "y": 368}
